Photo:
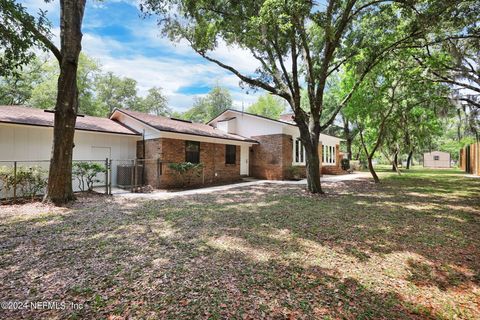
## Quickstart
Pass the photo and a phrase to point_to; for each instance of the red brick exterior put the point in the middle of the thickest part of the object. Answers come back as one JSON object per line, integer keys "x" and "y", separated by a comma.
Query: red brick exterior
{"x": 271, "y": 158}
{"x": 212, "y": 156}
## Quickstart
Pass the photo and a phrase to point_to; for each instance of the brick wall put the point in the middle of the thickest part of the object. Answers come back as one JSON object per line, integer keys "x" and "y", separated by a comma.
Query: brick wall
{"x": 212, "y": 156}
{"x": 271, "y": 158}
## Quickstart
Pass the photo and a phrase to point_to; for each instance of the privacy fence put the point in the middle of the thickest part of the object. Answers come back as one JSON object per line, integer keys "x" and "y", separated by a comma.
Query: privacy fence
{"x": 27, "y": 180}
{"x": 470, "y": 159}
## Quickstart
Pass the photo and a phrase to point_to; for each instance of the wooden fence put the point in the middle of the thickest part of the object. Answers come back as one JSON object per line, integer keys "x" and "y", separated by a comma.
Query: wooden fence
{"x": 470, "y": 159}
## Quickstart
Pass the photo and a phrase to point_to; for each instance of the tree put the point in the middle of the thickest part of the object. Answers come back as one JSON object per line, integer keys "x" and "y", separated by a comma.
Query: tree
{"x": 116, "y": 92}
{"x": 208, "y": 107}
{"x": 268, "y": 106}
{"x": 44, "y": 93}
{"x": 155, "y": 102}
{"x": 452, "y": 54}
{"x": 396, "y": 109}
{"x": 16, "y": 89}
{"x": 297, "y": 43}
{"x": 20, "y": 32}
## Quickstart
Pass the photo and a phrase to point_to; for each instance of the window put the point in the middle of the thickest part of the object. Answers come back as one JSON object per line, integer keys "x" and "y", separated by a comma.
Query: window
{"x": 436, "y": 158}
{"x": 230, "y": 154}
{"x": 192, "y": 151}
{"x": 299, "y": 152}
{"x": 328, "y": 154}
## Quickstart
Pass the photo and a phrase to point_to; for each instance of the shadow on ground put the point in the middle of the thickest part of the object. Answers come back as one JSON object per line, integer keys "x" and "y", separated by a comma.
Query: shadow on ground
{"x": 408, "y": 248}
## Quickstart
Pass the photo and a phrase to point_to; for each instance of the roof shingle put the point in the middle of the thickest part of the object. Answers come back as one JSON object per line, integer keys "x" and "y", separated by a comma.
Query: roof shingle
{"x": 38, "y": 117}
{"x": 172, "y": 125}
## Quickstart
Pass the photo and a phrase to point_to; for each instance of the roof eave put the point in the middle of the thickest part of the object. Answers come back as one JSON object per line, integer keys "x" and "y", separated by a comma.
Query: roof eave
{"x": 176, "y": 131}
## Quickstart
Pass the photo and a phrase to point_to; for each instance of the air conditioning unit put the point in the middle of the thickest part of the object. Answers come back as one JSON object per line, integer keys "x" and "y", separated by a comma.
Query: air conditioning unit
{"x": 127, "y": 176}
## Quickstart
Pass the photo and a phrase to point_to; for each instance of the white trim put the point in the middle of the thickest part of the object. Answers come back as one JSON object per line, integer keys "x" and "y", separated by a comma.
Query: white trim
{"x": 182, "y": 136}
{"x": 329, "y": 155}
{"x": 297, "y": 142}
{"x": 192, "y": 137}
{"x": 76, "y": 129}
{"x": 251, "y": 115}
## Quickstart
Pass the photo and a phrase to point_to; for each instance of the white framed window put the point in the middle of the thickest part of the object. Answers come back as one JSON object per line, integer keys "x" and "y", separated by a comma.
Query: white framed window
{"x": 298, "y": 152}
{"x": 328, "y": 155}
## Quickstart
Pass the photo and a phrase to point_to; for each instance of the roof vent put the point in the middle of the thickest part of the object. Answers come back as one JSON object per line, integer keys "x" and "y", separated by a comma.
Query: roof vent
{"x": 53, "y": 111}
{"x": 183, "y": 120}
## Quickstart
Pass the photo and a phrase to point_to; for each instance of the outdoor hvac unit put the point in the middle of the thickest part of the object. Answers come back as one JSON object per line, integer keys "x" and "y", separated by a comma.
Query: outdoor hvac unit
{"x": 127, "y": 176}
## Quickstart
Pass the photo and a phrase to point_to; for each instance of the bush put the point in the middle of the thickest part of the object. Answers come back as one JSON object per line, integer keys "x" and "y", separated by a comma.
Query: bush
{"x": 345, "y": 163}
{"x": 86, "y": 174}
{"x": 31, "y": 181}
{"x": 186, "y": 171}
{"x": 295, "y": 172}
{"x": 6, "y": 179}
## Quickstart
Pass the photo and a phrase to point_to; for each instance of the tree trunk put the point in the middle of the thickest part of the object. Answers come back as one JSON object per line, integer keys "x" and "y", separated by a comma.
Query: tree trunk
{"x": 372, "y": 170}
{"x": 395, "y": 161}
{"x": 313, "y": 169}
{"x": 349, "y": 148}
{"x": 59, "y": 189}
{"x": 409, "y": 159}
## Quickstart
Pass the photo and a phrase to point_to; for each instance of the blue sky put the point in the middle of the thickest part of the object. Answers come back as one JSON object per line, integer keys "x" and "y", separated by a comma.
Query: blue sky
{"x": 123, "y": 42}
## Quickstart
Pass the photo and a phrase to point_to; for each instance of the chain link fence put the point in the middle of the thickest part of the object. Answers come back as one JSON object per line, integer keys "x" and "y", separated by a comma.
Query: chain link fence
{"x": 27, "y": 180}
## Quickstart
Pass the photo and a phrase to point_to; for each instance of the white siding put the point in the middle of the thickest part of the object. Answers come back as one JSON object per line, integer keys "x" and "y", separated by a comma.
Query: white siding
{"x": 20, "y": 142}
{"x": 228, "y": 126}
{"x": 250, "y": 126}
{"x": 136, "y": 125}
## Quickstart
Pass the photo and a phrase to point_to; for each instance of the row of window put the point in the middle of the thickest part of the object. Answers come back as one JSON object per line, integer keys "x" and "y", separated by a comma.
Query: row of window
{"x": 192, "y": 152}
{"x": 328, "y": 153}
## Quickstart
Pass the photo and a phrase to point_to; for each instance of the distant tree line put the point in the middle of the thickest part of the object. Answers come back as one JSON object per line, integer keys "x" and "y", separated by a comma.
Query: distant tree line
{"x": 99, "y": 92}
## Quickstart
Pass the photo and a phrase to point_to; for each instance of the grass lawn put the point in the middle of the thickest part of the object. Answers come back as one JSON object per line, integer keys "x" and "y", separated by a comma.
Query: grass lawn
{"x": 407, "y": 248}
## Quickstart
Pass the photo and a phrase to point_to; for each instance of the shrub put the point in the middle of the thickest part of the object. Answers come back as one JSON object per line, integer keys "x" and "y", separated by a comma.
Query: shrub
{"x": 295, "y": 172}
{"x": 86, "y": 174}
{"x": 6, "y": 179}
{"x": 345, "y": 163}
{"x": 186, "y": 171}
{"x": 31, "y": 181}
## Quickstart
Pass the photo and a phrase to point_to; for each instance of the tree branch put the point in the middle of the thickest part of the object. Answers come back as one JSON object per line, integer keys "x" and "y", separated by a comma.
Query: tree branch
{"x": 251, "y": 81}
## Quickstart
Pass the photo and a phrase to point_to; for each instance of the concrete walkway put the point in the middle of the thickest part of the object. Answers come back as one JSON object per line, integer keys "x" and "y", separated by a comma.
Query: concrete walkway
{"x": 162, "y": 195}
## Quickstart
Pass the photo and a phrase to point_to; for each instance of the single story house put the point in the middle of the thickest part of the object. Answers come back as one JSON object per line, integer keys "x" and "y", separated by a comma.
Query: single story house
{"x": 436, "y": 159}
{"x": 232, "y": 145}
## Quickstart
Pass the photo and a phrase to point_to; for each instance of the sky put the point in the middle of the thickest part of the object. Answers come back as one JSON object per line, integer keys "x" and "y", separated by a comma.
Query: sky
{"x": 122, "y": 41}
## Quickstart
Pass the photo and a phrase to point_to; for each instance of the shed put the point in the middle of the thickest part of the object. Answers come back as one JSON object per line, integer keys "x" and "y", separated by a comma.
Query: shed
{"x": 436, "y": 159}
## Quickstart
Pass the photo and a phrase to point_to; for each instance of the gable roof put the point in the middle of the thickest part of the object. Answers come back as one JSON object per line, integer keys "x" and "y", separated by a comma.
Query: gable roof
{"x": 253, "y": 115}
{"x": 166, "y": 124}
{"x": 37, "y": 117}
{"x": 283, "y": 122}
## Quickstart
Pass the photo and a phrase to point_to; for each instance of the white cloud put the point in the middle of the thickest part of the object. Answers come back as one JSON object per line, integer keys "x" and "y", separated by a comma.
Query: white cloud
{"x": 177, "y": 65}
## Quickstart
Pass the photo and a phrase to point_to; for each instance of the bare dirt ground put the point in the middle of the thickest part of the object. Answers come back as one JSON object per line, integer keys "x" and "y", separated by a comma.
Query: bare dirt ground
{"x": 407, "y": 248}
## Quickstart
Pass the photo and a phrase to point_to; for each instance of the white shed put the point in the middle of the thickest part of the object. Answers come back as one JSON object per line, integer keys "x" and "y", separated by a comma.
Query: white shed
{"x": 436, "y": 159}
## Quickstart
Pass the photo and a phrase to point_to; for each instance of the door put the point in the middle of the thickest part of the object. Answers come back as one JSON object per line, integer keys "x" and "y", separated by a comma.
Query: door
{"x": 244, "y": 154}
